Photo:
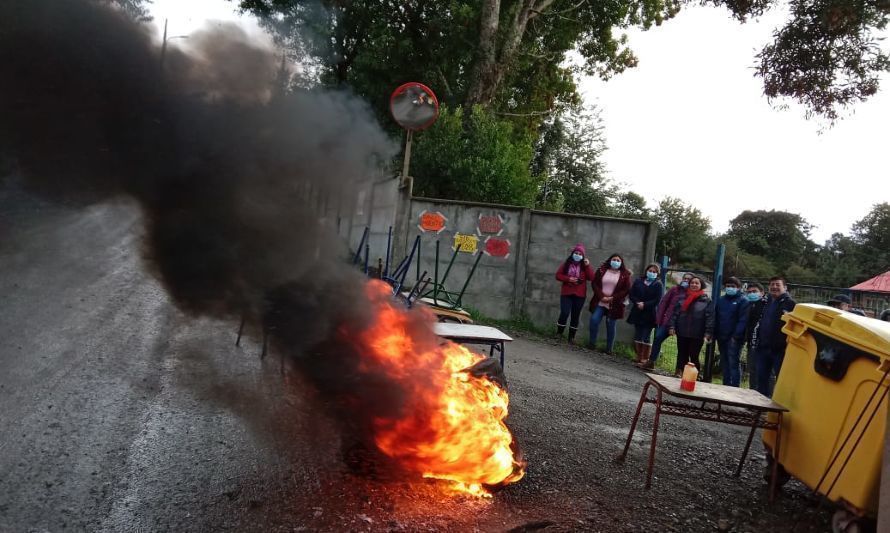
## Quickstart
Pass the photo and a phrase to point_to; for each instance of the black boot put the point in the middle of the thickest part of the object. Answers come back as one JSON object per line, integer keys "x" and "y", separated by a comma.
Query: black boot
{"x": 572, "y": 332}
{"x": 559, "y": 329}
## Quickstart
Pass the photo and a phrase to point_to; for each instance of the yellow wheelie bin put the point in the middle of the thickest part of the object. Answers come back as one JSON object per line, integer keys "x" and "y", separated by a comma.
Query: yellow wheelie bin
{"x": 834, "y": 383}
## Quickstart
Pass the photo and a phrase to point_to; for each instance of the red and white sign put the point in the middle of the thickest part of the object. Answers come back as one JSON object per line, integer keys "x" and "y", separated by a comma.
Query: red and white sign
{"x": 432, "y": 221}
{"x": 495, "y": 247}
{"x": 490, "y": 224}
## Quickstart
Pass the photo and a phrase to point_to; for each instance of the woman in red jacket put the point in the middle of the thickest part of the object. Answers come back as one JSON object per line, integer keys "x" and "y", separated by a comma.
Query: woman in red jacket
{"x": 611, "y": 283}
{"x": 574, "y": 274}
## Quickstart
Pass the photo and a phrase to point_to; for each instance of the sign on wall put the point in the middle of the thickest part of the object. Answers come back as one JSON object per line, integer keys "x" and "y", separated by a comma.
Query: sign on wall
{"x": 432, "y": 221}
{"x": 496, "y": 247}
{"x": 490, "y": 224}
{"x": 468, "y": 243}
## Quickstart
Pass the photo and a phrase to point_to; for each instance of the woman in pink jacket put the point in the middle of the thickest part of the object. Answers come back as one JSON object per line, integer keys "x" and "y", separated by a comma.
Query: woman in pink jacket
{"x": 574, "y": 274}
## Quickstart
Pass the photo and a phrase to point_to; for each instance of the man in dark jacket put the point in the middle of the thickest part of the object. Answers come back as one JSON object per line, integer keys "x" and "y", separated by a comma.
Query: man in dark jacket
{"x": 768, "y": 340}
{"x": 731, "y": 318}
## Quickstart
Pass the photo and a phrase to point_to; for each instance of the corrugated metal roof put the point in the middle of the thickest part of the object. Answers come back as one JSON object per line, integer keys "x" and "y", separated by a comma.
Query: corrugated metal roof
{"x": 879, "y": 283}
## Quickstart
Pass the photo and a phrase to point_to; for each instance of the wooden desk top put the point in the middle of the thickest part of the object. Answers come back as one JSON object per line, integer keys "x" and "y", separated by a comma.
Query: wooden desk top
{"x": 710, "y": 392}
{"x": 469, "y": 332}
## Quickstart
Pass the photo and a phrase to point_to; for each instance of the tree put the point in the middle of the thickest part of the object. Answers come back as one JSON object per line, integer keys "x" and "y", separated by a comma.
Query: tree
{"x": 827, "y": 56}
{"x": 628, "y": 204}
{"x": 135, "y": 8}
{"x": 503, "y": 54}
{"x": 507, "y": 53}
{"x": 872, "y": 236}
{"x": 568, "y": 166}
{"x": 474, "y": 157}
{"x": 780, "y": 236}
{"x": 683, "y": 232}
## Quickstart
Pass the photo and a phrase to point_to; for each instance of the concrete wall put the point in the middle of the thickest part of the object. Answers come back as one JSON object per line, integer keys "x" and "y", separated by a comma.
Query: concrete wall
{"x": 491, "y": 289}
{"x": 552, "y": 237}
{"x": 521, "y": 281}
{"x": 374, "y": 206}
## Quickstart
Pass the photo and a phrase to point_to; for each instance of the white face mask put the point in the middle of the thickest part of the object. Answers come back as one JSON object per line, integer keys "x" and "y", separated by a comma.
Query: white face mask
{"x": 577, "y": 257}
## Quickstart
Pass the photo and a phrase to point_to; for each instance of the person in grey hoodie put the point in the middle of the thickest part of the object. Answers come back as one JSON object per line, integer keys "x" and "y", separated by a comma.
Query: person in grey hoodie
{"x": 692, "y": 323}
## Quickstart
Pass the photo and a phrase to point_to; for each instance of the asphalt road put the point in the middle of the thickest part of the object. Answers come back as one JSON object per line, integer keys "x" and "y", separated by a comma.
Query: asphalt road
{"x": 119, "y": 413}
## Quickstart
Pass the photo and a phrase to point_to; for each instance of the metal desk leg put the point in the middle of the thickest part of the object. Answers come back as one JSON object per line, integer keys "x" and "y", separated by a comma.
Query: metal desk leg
{"x": 240, "y": 330}
{"x": 654, "y": 437}
{"x": 633, "y": 424}
{"x": 738, "y": 471}
{"x": 265, "y": 343}
{"x": 775, "y": 473}
{"x": 503, "y": 349}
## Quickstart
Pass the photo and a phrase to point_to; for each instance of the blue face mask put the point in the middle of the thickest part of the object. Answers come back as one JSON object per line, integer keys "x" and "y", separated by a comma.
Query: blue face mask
{"x": 615, "y": 264}
{"x": 651, "y": 275}
{"x": 577, "y": 257}
{"x": 754, "y": 296}
{"x": 684, "y": 284}
{"x": 732, "y": 291}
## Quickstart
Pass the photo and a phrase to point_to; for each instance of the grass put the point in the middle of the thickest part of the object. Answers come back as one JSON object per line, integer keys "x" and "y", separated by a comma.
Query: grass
{"x": 524, "y": 323}
{"x": 666, "y": 361}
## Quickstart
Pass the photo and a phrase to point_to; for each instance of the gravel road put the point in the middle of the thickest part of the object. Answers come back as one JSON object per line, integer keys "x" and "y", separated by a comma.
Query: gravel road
{"x": 119, "y": 413}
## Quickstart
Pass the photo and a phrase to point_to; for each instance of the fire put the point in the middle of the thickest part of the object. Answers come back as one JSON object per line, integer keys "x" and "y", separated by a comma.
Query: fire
{"x": 451, "y": 424}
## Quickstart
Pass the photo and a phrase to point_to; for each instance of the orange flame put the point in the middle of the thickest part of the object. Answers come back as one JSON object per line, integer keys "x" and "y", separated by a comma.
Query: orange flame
{"x": 451, "y": 425}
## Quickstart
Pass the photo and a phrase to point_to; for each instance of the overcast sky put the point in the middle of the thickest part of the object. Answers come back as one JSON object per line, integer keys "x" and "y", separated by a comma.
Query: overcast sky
{"x": 691, "y": 121}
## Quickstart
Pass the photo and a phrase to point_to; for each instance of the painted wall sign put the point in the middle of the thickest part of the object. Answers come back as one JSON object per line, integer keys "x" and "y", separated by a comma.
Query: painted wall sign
{"x": 432, "y": 221}
{"x": 468, "y": 243}
{"x": 497, "y": 247}
{"x": 490, "y": 224}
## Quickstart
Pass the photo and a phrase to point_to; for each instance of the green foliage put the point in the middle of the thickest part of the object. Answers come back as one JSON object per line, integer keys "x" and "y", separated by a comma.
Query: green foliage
{"x": 743, "y": 265}
{"x": 567, "y": 164}
{"x": 871, "y": 234}
{"x": 683, "y": 232}
{"x": 628, "y": 204}
{"x": 779, "y": 235}
{"x": 475, "y": 158}
{"x": 827, "y": 56}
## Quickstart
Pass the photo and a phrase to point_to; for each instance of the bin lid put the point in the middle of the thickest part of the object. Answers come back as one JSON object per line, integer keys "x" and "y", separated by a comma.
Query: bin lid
{"x": 867, "y": 334}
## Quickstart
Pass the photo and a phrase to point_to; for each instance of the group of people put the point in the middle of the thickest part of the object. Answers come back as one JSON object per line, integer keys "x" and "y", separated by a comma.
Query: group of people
{"x": 738, "y": 318}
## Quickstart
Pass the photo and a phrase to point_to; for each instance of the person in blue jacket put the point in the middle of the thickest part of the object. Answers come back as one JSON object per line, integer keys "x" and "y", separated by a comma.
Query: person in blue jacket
{"x": 731, "y": 322}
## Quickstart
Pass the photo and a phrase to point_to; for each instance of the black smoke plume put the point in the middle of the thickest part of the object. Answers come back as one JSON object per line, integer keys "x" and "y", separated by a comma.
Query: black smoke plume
{"x": 228, "y": 167}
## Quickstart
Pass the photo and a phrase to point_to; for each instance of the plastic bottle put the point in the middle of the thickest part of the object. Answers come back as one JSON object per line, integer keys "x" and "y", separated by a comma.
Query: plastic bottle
{"x": 690, "y": 376}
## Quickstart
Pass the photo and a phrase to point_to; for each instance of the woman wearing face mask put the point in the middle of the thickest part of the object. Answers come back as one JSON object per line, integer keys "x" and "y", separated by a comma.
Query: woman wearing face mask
{"x": 610, "y": 283}
{"x": 574, "y": 273}
{"x": 663, "y": 316}
{"x": 644, "y": 297}
{"x": 693, "y": 323}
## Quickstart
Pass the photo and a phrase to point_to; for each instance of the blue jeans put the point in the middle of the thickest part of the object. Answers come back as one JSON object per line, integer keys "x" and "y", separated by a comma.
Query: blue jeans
{"x": 595, "y": 318}
{"x": 661, "y": 334}
{"x": 643, "y": 334}
{"x": 768, "y": 362}
{"x": 729, "y": 361}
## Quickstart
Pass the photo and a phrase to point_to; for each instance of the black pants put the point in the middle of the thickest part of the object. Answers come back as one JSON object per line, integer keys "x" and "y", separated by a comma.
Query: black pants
{"x": 570, "y": 304}
{"x": 688, "y": 349}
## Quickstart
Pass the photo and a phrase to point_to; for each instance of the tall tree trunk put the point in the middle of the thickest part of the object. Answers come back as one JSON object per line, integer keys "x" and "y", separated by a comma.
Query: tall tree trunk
{"x": 484, "y": 71}
{"x": 491, "y": 64}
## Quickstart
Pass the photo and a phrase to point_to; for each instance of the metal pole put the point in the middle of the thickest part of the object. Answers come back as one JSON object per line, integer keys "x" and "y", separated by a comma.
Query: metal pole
{"x": 715, "y": 294}
{"x": 464, "y": 288}
{"x": 418, "y": 260}
{"x": 436, "y": 276}
{"x": 163, "y": 47}
{"x": 408, "y": 140}
{"x": 388, "y": 245}
{"x": 665, "y": 262}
